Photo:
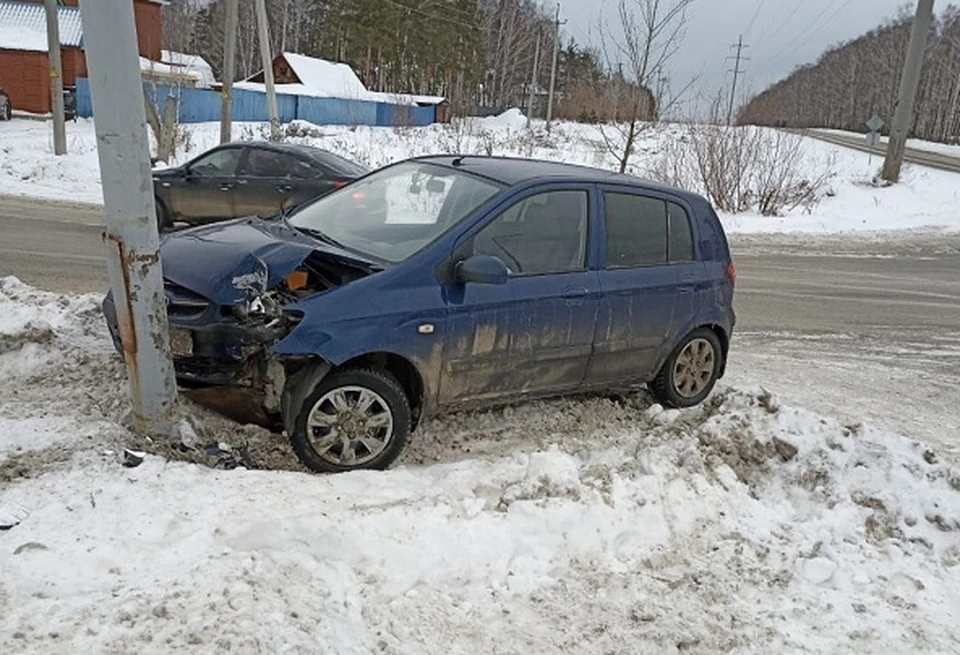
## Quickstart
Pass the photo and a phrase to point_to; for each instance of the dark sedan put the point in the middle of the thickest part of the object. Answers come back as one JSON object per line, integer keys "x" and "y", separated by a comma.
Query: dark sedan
{"x": 247, "y": 179}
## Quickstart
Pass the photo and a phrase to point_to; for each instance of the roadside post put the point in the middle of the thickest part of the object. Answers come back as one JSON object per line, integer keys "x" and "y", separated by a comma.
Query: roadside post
{"x": 56, "y": 77}
{"x": 131, "y": 239}
{"x": 873, "y": 136}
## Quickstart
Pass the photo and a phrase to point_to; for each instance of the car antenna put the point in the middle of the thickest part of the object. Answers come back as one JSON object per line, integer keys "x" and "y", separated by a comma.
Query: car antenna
{"x": 458, "y": 161}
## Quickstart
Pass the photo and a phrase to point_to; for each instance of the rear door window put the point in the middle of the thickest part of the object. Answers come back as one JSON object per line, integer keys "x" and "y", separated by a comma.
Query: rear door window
{"x": 219, "y": 163}
{"x": 636, "y": 230}
{"x": 645, "y": 231}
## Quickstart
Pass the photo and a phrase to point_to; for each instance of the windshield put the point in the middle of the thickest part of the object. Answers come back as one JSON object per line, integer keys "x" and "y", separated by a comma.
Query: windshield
{"x": 395, "y": 212}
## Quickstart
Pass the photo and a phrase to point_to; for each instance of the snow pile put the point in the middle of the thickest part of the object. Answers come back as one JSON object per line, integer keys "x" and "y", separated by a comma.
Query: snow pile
{"x": 589, "y": 525}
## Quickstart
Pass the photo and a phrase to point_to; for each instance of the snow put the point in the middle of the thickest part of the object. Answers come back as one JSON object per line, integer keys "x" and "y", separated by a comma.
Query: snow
{"x": 20, "y": 38}
{"x": 925, "y": 200}
{"x": 328, "y": 79}
{"x": 917, "y": 144}
{"x": 23, "y": 26}
{"x": 590, "y": 525}
{"x": 194, "y": 65}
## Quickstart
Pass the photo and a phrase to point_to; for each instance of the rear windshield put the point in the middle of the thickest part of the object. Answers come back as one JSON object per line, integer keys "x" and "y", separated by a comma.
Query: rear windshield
{"x": 342, "y": 166}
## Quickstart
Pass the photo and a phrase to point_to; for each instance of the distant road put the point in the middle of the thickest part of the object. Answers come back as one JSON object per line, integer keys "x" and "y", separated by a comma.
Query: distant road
{"x": 913, "y": 156}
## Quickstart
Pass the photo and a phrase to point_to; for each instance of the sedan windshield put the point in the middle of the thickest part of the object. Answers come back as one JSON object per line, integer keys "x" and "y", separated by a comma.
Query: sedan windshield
{"x": 395, "y": 212}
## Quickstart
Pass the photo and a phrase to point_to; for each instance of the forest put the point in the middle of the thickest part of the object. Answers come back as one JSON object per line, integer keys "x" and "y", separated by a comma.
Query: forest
{"x": 855, "y": 80}
{"x": 477, "y": 53}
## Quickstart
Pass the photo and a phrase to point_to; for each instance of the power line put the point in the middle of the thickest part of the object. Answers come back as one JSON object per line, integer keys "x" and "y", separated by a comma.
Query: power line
{"x": 817, "y": 24}
{"x": 444, "y": 19}
{"x": 779, "y": 28}
{"x": 754, "y": 19}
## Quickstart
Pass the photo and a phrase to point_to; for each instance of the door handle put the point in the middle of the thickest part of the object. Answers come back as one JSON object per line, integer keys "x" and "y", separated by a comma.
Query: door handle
{"x": 284, "y": 188}
{"x": 226, "y": 187}
{"x": 570, "y": 293}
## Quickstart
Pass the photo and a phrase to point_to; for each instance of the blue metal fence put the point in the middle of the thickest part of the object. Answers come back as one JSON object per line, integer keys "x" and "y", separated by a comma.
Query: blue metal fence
{"x": 203, "y": 105}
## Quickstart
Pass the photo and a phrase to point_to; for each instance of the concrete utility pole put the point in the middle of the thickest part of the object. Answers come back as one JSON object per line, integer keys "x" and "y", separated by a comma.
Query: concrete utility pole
{"x": 736, "y": 75}
{"x": 909, "y": 80}
{"x": 229, "y": 71}
{"x": 553, "y": 70}
{"x": 533, "y": 80}
{"x": 264, "y": 35}
{"x": 133, "y": 257}
{"x": 56, "y": 77}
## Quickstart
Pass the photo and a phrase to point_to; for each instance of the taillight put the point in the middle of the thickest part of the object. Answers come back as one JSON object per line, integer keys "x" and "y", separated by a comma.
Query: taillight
{"x": 732, "y": 273}
{"x": 339, "y": 184}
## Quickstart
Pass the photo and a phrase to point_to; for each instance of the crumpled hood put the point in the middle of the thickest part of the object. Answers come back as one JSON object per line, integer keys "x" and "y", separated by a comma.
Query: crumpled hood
{"x": 234, "y": 261}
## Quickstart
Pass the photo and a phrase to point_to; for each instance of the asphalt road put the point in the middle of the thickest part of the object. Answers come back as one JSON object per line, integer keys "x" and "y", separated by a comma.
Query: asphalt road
{"x": 782, "y": 285}
{"x": 911, "y": 155}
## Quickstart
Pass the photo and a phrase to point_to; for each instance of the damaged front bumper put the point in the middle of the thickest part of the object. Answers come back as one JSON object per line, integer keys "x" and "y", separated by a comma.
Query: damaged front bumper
{"x": 211, "y": 348}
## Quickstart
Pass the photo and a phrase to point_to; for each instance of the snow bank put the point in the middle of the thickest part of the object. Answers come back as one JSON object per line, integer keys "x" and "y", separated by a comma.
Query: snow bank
{"x": 567, "y": 526}
{"x": 926, "y": 199}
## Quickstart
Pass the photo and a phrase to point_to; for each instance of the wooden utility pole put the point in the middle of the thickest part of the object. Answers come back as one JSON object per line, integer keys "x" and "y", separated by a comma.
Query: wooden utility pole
{"x": 56, "y": 77}
{"x": 130, "y": 236}
{"x": 553, "y": 70}
{"x": 263, "y": 30}
{"x": 736, "y": 76}
{"x": 533, "y": 80}
{"x": 229, "y": 71}
{"x": 909, "y": 80}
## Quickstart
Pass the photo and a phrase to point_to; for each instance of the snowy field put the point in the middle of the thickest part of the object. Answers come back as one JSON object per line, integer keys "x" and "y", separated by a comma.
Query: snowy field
{"x": 926, "y": 199}
{"x": 591, "y": 525}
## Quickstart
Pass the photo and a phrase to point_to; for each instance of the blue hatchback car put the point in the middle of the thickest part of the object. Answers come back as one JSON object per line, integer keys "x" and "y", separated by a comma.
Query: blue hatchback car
{"x": 448, "y": 281}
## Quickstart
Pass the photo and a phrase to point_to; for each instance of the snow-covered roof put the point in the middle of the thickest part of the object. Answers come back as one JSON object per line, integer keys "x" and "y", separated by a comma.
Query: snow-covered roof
{"x": 332, "y": 79}
{"x": 193, "y": 65}
{"x": 23, "y": 26}
{"x": 329, "y": 79}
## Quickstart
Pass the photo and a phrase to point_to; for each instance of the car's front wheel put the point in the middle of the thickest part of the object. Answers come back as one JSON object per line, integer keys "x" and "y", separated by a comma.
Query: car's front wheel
{"x": 354, "y": 419}
{"x": 691, "y": 370}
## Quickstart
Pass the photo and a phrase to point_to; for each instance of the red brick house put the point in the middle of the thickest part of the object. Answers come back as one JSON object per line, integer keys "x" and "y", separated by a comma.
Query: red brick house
{"x": 23, "y": 47}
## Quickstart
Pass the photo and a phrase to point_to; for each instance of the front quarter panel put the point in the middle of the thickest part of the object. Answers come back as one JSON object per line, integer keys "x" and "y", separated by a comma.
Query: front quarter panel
{"x": 384, "y": 313}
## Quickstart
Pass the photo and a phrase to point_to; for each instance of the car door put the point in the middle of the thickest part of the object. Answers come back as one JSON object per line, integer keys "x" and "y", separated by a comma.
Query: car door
{"x": 266, "y": 182}
{"x": 205, "y": 191}
{"x": 646, "y": 283}
{"x": 533, "y": 334}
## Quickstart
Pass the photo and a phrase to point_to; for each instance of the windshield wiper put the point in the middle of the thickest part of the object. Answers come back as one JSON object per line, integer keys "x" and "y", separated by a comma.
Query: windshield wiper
{"x": 320, "y": 236}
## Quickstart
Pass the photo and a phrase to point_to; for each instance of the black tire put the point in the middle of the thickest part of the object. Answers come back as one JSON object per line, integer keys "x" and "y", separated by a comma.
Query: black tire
{"x": 665, "y": 385}
{"x": 7, "y": 111}
{"x": 386, "y": 387}
{"x": 164, "y": 222}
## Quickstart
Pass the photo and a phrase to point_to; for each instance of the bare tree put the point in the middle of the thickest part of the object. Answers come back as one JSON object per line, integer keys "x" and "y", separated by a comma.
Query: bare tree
{"x": 650, "y": 33}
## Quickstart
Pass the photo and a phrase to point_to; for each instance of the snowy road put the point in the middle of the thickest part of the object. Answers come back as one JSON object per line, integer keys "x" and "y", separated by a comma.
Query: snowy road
{"x": 820, "y": 319}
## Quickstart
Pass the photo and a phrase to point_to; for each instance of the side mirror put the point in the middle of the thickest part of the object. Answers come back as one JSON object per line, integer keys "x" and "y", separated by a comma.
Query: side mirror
{"x": 482, "y": 269}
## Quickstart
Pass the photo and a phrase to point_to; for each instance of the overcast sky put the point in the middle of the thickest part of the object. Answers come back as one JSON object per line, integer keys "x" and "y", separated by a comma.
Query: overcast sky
{"x": 784, "y": 34}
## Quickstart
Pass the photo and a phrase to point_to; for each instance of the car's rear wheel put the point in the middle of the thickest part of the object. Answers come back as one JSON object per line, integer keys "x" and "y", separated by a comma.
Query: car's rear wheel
{"x": 691, "y": 370}
{"x": 354, "y": 419}
{"x": 6, "y": 111}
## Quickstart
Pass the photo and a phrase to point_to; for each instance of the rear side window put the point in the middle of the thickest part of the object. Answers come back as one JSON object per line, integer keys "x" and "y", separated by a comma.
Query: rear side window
{"x": 681, "y": 237}
{"x": 644, "y": 231}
